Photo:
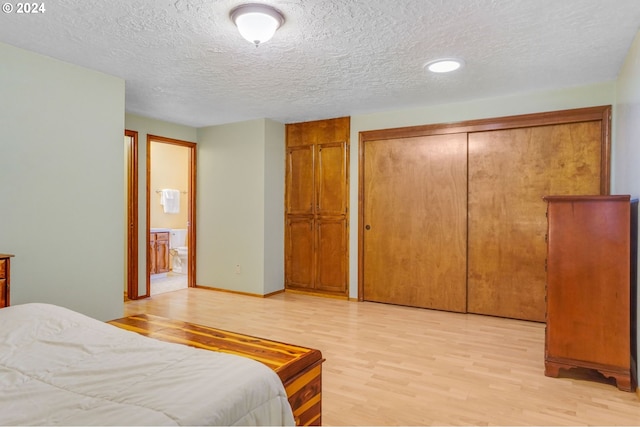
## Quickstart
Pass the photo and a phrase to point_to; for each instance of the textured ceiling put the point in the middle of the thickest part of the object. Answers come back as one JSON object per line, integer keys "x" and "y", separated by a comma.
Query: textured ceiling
{"x": 183, "y": 60}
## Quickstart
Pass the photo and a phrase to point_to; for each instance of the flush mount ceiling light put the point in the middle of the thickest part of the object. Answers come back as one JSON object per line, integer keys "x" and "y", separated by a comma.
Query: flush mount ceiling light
{"x": 444, "y": 65}
{"x": 256, "y": 22}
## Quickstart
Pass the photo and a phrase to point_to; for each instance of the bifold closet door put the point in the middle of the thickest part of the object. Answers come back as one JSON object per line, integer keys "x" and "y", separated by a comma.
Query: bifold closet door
{"x": 509, "y": 173}
{"x": 415, "y": 221}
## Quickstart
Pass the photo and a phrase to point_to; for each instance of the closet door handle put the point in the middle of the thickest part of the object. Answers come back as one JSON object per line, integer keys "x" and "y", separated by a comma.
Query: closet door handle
{"x": 367, "y": 227}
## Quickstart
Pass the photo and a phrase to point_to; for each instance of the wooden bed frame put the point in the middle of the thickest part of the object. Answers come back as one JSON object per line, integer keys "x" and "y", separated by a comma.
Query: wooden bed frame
{"x": 299, "y": 368}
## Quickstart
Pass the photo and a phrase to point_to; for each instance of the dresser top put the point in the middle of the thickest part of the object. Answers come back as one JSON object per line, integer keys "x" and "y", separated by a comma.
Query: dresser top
{"x": 589, "y": 198}
{"x": 6, "y": 255}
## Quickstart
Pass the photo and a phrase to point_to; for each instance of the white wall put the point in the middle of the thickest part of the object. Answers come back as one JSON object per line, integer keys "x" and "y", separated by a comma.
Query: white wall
{"x": 274, "y": 206}
{"x": 588, "y": 96}
{"x": 240, "y": 219}
{"x": 146, "y": 126}
{"x": 627, "y": 125}
{"x": 169, "y": 169}
{"x": 61, "y": 175}
{"x": 626, "y": 147}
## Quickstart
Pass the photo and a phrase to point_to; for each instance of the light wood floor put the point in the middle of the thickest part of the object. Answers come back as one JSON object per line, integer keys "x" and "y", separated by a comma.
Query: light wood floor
{"x": 392, "y": 365}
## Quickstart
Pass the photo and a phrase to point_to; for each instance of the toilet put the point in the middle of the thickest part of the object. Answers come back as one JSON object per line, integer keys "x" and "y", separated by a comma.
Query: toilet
{"x": 178, "y": 250}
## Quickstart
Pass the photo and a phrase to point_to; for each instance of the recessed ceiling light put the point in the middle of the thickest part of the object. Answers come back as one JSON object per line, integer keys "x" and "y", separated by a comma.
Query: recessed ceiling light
{"x": 444, "y": 65}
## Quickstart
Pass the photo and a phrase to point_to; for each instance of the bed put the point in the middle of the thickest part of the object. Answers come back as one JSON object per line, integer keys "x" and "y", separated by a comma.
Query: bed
{"x": 59, "y": 367}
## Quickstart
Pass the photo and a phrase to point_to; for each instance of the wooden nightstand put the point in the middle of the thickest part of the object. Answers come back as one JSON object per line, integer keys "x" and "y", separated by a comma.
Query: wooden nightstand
{"x": 4, "y": 279}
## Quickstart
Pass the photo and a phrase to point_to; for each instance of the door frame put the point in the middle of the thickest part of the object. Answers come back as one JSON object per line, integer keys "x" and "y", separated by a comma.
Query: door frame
{"x": 602, "y": 113}
{"x": 191, "y": 202}
{"x": 132, "y": 214}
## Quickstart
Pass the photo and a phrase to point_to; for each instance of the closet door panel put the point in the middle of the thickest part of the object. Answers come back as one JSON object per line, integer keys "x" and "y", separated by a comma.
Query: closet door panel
{"x": 300, "y": 180}
{"x": 509, "y": 173}
{"x": 331, "y": 263}
{"x": 332, "y": 180}
{"x": 414, "y": 237}
{"x": 299, "y": 247}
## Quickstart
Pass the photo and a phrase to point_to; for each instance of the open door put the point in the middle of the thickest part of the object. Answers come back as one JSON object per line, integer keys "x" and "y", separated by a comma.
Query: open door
{"x": 131, "y": 150}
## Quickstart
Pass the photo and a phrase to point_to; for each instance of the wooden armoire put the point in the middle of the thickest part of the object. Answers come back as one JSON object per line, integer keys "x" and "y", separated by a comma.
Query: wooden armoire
{"x": 591, "y": 281}
{"x": 317, "y": 206}
{"x": 451, "y": 215}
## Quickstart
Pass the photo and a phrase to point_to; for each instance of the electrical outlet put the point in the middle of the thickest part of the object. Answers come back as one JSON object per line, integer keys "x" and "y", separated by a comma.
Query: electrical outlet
{"x": 238, "y": 269}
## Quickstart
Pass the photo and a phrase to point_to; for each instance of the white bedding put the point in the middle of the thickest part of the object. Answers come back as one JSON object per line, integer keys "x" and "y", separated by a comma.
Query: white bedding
{"x": 59, "y": 367}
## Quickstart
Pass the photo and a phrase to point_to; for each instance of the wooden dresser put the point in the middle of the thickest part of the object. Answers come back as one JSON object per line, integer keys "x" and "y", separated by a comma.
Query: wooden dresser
{"x": 591, "y": 286}
{"x": 299, "y": 368}
{"x": 5, "y": 276}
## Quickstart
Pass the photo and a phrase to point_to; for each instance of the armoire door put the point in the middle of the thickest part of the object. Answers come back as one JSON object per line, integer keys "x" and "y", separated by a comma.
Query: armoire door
{"x": 509, "y": 173}
{"x": 415, "y": 221}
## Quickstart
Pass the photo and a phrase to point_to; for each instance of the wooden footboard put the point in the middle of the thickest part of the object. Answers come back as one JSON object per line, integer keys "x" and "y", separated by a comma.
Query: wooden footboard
{"x": 299, "y": 368}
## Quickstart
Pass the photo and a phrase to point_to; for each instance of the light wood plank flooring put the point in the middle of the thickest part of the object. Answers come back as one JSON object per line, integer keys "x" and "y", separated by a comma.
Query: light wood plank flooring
{"x": 392, "y": 365}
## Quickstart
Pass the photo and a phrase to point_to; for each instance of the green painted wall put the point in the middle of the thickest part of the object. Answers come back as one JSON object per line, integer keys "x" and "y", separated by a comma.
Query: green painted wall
{"x": 61, "y": 175}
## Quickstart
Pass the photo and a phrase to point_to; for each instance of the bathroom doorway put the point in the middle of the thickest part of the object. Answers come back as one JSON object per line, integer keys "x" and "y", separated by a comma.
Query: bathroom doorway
{"x": 171, "y": 166}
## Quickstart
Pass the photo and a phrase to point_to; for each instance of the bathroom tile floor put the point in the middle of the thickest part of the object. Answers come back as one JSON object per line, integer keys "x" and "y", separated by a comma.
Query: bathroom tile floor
{"x": 171, "y": 282}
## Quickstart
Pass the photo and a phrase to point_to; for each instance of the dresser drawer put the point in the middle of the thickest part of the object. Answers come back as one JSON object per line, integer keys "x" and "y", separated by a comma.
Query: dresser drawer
{"x": 3, "y": 293}
{"x": 4, "y": 279}
{"x": 158, "y": 236}
{"x": 162, "y": 236}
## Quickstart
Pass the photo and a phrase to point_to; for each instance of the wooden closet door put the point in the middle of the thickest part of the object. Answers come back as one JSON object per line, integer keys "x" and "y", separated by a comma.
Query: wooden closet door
{"x": 316, "y": 206}
{"x": 331, "y": 270}
{"x": 509, "y": 173}
{"x": 414, "y": 237}
{"x": 300, "y": 180}
{"x": 332, "y": 183}
{"x": 300, "y": 252}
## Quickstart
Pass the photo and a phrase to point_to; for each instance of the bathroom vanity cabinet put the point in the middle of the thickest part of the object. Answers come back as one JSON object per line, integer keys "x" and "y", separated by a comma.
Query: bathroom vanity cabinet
{"x": 159, "y": 252}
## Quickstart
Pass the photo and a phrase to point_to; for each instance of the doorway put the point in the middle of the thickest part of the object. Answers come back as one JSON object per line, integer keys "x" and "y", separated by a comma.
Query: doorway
{"x": 133, "y": 250}
{"x": 171, "y": 166}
